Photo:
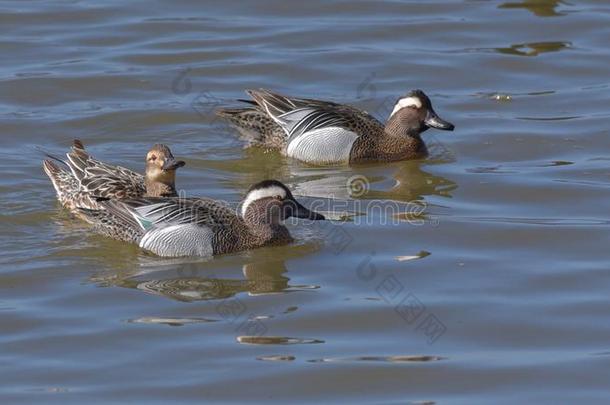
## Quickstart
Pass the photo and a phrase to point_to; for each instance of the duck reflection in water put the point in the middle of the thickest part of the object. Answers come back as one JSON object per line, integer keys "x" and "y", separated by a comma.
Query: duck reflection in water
{"x": 260, "y": 278}
{"x": 191, "y": 279}
{"x": 541, "y": 8}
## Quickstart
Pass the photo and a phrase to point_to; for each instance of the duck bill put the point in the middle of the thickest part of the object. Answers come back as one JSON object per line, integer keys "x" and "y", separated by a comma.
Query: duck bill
{"x": 434, "y": 121}
{"x": 172, "y": 164}
{"x": 295, "y": 209}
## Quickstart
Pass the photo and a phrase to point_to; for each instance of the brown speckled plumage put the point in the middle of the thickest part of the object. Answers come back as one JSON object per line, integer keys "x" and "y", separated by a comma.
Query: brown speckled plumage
{"x": 170, "y": 226}
{"x": 85, "y": 179}
{"x": 399, "y": 139}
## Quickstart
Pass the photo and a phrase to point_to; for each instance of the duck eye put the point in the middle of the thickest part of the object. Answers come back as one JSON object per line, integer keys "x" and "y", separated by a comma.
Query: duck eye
{"x": 279, "y": 197}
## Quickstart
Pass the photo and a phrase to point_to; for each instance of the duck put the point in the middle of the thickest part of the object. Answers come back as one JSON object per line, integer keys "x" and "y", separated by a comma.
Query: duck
{"x": 174, "y": 227}
{"x": 325, "y": 133}
{"x": 82, "y": 179}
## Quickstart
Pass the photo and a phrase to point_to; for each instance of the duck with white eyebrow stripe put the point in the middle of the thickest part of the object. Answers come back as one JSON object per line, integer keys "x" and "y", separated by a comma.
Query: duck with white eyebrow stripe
{"x": 405, "y": 102}
{"x": 174, "y": 227}
{"x": 322, "y": 132}
{"x": 271, "y": 191}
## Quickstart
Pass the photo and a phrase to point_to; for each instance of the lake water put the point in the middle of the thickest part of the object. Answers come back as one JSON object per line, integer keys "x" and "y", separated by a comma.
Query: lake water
{"x": 490, "y": 284}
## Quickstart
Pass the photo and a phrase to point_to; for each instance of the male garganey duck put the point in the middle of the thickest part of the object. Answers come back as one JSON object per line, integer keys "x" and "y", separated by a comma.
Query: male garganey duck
{"x": 174, "y": 227}
{"x": 322, "y": 132}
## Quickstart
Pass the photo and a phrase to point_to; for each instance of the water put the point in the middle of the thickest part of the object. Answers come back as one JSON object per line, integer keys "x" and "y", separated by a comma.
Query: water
{"x": 496, "y": 292}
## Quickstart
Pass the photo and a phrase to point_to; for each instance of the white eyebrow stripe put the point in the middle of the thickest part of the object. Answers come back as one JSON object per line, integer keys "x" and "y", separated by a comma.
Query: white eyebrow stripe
{"x": 407, "y": 102}
{"x": 261, "y": 193}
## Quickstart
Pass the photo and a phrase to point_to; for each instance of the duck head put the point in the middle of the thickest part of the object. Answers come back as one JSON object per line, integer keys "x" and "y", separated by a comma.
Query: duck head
{"x": 161, "y": 165}
{"x": 413, "y": 114}
{"x": 270, "y": 201}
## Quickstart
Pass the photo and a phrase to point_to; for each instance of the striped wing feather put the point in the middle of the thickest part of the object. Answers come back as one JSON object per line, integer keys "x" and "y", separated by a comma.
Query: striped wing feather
{"x": 298, "y": 116}
{"x": 103, "y": 180}
{"x": 158, "y": 211}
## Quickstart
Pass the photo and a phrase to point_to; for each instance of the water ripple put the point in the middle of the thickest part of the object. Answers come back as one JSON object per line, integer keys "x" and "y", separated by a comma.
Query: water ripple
{"x": 389, "y": 359}
{"x": 276, "y": 340}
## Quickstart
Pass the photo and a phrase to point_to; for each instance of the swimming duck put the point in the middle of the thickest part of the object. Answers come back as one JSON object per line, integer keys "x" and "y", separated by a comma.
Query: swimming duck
{"x": 322, "y": 132}
{"x": 89, "y": 178}
{"x": 174, "y": 227}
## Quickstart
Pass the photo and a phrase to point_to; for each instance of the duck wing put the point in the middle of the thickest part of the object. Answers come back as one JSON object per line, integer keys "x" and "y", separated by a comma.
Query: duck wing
{"x": 101, "y": 179}
{"x": 174, "y": 226}
{"x": 288, "y": 112}
{"x": 319, "y": 132}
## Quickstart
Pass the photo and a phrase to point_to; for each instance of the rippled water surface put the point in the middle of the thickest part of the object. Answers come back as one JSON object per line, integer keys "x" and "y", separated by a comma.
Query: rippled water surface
{"x": 492, "y": 288}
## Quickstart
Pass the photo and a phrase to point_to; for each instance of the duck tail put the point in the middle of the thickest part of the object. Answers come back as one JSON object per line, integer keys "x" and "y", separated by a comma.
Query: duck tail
{"x": 273, "y": 104}
{"x": 232, "y": 114}
{"x": 49, "y": 155}
{"x": 64, "y": 183}
{"x": 78, "y": 159}
{"x": 55, "y": 173}
{"x": 248, "y": 121}
{"x": 243, "y": 100}
{"x": 253, "y": 122}
{"x": 78, "y": 144}
{"x": 106, "y": 222}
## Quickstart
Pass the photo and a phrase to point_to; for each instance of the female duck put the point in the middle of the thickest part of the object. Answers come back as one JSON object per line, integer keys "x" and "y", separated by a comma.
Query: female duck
{"x": 174, "y": 227}
{"x": 322, "y": 132}
{"x": 89, "y": 179}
